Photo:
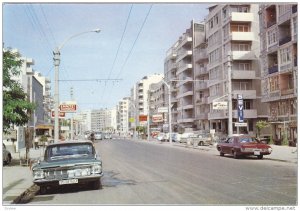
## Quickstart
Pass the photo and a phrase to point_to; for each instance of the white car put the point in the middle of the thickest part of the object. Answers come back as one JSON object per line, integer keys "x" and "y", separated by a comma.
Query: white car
{"x": 98, "y": 136}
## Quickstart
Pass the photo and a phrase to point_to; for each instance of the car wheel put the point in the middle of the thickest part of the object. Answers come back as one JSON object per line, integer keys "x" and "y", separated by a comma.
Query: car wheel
{"x": 235, "y": 155}
{"x": 43, "y": 190}
{"x": 96, "y": 185}
{"x": 260, "y": 156}
{"x": 9, "y": 159}
{"x": 201, "y": 143}
{"x": 221, "y": 153}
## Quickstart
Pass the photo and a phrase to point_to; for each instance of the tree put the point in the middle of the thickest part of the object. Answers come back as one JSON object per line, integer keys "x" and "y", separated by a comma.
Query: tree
{"x": 16, "y": 107}
{"x": 261, "y": 125}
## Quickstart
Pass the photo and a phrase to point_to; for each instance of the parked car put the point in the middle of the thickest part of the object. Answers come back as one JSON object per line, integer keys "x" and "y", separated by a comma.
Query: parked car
{"x": 98, "y": 136}
{"x": 243, "y": 145}
{"x": 161, "y": 137}
{"x": 185, "y": 137}
{"x": 107, "y": 136}
{"x": 68, "y": 163}
{"x": 6, "y": 155}
{"x": 203, "y": 139}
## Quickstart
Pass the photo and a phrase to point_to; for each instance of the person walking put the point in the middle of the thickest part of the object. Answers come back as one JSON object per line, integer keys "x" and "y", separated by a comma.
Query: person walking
{"x": 36, "y": 142}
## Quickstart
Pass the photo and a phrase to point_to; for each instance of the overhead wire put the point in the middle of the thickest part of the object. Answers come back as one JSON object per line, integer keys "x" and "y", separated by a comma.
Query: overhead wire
{"x": 119, "y": 46}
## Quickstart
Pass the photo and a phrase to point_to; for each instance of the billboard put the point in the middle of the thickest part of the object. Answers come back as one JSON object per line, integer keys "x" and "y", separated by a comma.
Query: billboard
{"x": 157, "y": 118}
{"x": 240, "y": 108}
{"x": 143, "y": 118}
{"x": 220, "y": 105}
{"x": 60, "y": 114}
{"x": 68, "y": 107}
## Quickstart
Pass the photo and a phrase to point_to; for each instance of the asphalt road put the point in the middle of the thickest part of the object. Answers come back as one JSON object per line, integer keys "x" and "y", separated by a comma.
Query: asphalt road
{"x": 139, "y": 173}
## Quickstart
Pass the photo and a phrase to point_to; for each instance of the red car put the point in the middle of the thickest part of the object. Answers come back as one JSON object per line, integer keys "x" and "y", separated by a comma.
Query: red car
{"x": 243, "y": 145}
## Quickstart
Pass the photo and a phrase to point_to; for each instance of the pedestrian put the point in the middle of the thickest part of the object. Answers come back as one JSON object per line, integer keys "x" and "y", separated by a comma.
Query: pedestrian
{"x": 36, "y": 142}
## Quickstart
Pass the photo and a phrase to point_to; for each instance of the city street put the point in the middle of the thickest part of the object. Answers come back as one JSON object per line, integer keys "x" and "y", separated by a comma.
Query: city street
{"x": 137, "y": 172}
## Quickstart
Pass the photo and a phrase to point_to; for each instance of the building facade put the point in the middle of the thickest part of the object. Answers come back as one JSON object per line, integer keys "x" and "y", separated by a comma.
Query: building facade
{"x": 279, "y": 46}
{"x": 123, "y": 116}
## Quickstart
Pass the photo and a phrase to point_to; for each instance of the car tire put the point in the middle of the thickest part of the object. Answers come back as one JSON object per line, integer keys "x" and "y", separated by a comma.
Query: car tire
{"x": 96, "y": 185}
{"x": 260, "y": 156}
{"x": 43, "y": 190}
{"x": 9, "y": 158}
{"x": 221, "y": 153}
{"x": 235, "y": 155}
{"x": 201, "y": 143}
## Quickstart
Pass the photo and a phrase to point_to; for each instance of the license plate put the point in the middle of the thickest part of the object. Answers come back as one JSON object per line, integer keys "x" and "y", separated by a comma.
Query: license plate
{"x": 257, "y": 152}
{"x": 70, "y": 181}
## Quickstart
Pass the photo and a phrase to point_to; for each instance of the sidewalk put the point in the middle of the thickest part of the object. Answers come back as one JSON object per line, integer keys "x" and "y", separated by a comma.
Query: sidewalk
{"x": 16, "y": 179}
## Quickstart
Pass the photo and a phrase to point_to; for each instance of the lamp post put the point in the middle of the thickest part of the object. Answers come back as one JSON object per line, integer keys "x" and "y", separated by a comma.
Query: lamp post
{"x": 56, "y": 58}
{"x": 169, "y": 109}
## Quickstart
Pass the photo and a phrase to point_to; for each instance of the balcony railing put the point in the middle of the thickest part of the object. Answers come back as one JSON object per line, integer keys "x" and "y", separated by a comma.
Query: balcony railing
{"x": 273, "y": 69}
{"x": 285, "y": 40}
{"x": 271, "y": 23}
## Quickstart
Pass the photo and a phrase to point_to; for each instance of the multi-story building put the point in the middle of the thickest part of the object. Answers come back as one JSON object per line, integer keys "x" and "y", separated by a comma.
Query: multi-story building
{"x": 123, "y": 116}
{"x": 179, "y": 72}
{"x": 233, "y": 44}
{"x": 140, "y": 95}
{"x": 157, "y": 100}
{"x": 278, "y": 33}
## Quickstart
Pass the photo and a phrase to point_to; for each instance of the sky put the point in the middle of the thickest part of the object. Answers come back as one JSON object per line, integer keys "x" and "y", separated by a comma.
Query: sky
{"x": 133, "y": 42}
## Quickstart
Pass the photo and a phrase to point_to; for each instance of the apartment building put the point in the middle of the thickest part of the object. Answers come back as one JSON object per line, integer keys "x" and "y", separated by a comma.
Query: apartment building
{"x": 123, "y": 115}
{"x": 140, "y": 95}
{"x": 157, "y": 102}
{"x": 278, "y": 35}
{"x": 179, "y": 69}
{"x": 233, "y": 46}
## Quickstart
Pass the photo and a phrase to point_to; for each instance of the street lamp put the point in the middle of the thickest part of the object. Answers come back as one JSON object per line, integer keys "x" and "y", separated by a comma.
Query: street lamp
{"x": 169, "y": 108}
{"x": 56, "y": 58}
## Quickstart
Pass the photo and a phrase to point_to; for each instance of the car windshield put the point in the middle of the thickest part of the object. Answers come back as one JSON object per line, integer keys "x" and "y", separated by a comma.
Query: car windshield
{"x": 58, "y": 152}
{"x": 247, "y": 140}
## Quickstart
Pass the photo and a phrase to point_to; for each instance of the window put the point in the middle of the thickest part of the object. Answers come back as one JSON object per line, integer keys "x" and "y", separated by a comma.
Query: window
{"x": 241, "y": 47}
{"x": 273, "y": 84}
{"x": 285, "y": 55}
{"x": 272, "y": 37}
{"x": 224, "y": 11}
{"x": 240, "y": 28}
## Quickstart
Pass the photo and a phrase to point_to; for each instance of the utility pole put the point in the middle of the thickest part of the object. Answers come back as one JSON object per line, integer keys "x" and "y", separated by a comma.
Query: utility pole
{"x": 72, "y": 127}
{"x": 230, "y": 129}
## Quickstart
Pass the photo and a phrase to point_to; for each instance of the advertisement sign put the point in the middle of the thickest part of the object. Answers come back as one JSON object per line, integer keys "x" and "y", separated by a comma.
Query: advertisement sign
{"x": 157, "y": 118}
{"x": 220, "y": 105}
{"x": 131, "y": 120}
{"x": 68, "y": 107}
{"x": 240, "y": 124}
{"x": 162, "y": 110}
{"x": 60, "y": 114}
{"x": 240, "y": 108}
{"x": 143, "y": 118}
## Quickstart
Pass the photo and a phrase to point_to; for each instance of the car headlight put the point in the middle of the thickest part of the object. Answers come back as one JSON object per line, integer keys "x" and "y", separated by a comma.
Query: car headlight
{"x": 38, "y": 174}
{"x": 97, "y": 169}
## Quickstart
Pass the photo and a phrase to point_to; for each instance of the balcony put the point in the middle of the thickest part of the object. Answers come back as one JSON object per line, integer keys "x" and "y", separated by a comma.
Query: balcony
{"x": 182, "y": 54}
{"x": 287, "y": 92}
{"x": 243, "y": 74}
{"x": 273, "y": 69}
{"x": 242, "y": 36}
{"x": 271, "y": 96}
{"x": 201, "y": 71}
{"x": 200, "y": 85}
{"x": 247, "y": 94}
{"x": 183, "y": 67}
{"x": 242, "y": 17}
{"x": 248, "y": 113}
{"x": 243, "y": 55}
{"x": 271, "y": 23}
{"x": 201, "y": 101}
{"x": 185, "y": 120}
{"x": 200, "y": 54}
{"x": 285, "y": 40}
{"x": 202, "y": 115}
{"x": 185, "y": 40}
{"x": 221, "y": 114}
{"x": 185, "y": 94}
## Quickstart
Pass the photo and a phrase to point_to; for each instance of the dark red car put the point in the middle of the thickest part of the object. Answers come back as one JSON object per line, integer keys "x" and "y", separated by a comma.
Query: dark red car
{"x": 243, "y": 145}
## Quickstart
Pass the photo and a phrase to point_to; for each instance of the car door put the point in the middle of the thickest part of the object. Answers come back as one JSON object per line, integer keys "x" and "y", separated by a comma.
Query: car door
{"x": 228, "y": 145}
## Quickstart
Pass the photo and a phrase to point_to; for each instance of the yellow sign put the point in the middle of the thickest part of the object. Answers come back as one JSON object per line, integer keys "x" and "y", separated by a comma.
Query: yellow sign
{"x": 131, "y": 120}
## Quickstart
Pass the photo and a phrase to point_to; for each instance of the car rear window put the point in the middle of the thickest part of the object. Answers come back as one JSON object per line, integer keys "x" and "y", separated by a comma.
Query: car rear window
{"x": 247, "y": 140}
